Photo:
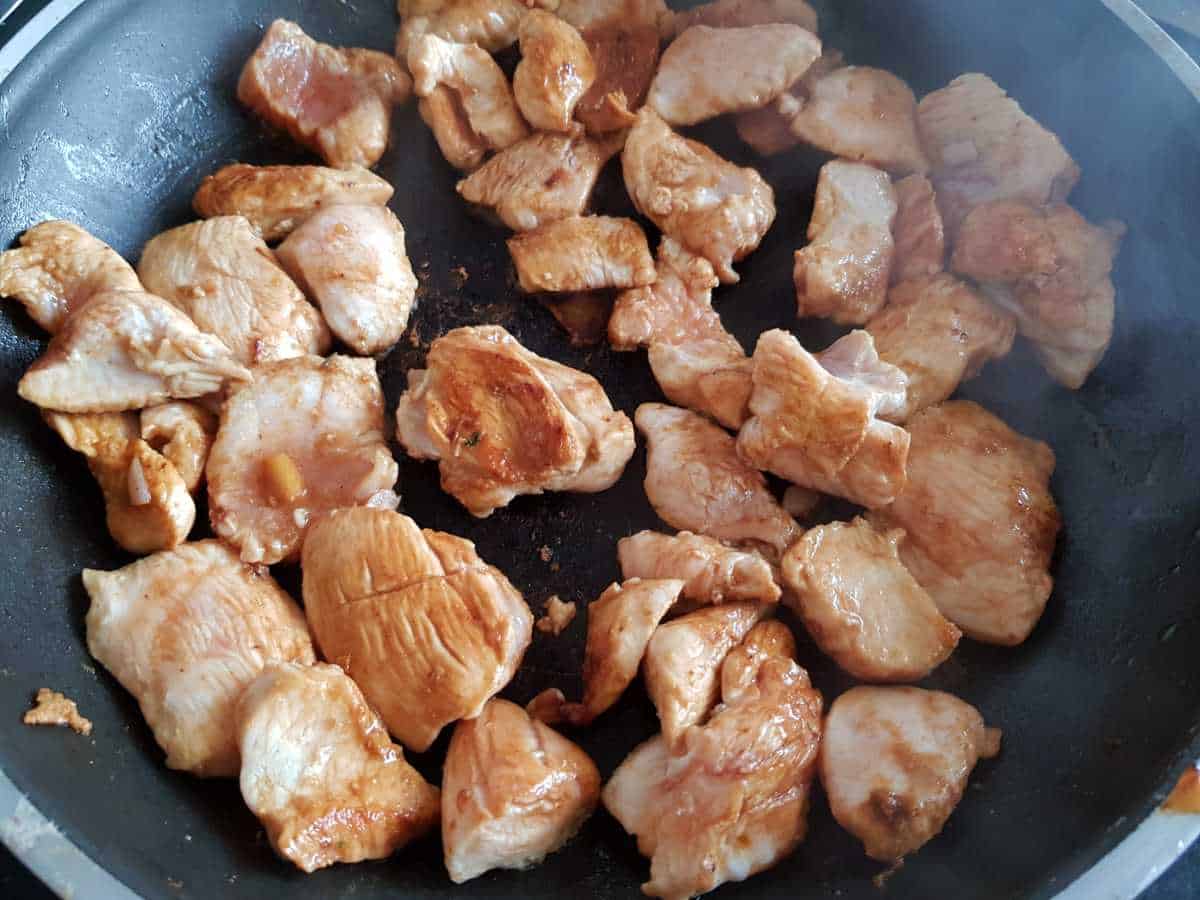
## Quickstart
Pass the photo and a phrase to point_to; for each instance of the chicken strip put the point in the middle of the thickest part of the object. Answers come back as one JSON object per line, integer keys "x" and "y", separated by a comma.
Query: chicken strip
{"x": 584, "y": 14}
{"x": 491, "y": 24}
{"x": 582, "y": 253}
{"x": 555, "y": 71}
{"x": 183, "y": 432}
{"x": 917, "y": 230}
{"x": 443, "y": 112}
{"x": 320, "y": 773}
{"x": 185, "y": 631}
{"x": 895, "y": 763}
{"x": 712, "y": 572}
{"x": 425, "y": 627}
{"x": 625, "y": 58}
{"x": 744, "y": 13}
{"x": 768, "y": 130}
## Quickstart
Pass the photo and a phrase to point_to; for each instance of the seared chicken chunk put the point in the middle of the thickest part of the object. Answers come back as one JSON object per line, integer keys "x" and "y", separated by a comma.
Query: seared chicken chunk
{"x": 183, "y": 432}
{"x": 185, "y": 631}
{"x": 582, "y": 253}
{"x": 320, "y": 773}
{"x": 583, "y": 315}
{"x": 425, "y": 627}
{"x": 555, "y": 71}
{"x": 446, "y": 117}
{"x": 584, "y": 14}
{"x": 895, "y": 763}
{"x": 491, "y": 24}
{"x": 625, "y": 57}
{"x": 769, "y": 129}
{"x": 917, "y": 230}
{"x": 711, "y": 571}
{"x": 710, "y": 376}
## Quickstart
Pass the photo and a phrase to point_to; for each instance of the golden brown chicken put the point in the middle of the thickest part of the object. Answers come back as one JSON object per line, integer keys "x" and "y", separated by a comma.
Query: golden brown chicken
{"x": 625, "y": 55}
{"x": 582, "y": 253}
{"x": 183, "y": 432}
{"x": 743, "y": 13}
{"x": 712, "y": 572}
{"x": 446, "y": 117}
{"x": 555, "y": 71}
{"x": 918, "y": 231}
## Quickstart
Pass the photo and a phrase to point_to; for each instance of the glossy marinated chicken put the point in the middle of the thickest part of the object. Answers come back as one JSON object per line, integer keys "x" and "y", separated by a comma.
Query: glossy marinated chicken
{"x": 769, "y": 129}
{"x": 321, "y": 774}
{"x": 352, "y": 262}
{"x": 446, "y": 117}
{"x": 336, "y": 101}
{"x": 225, "y": 277}
{"x": 305, "y": 438}
{"x": 183, "y": 432}
{"x": 917, "y": 230}
{"x": 895, "y": 763}
{"x": 712, "y": 572}
{"x": 185, "y": 631}
{"x": 743, "y": 13}
{"x": 425, "y": 627}
{"x": 625, "y": 57}
{"x": 980, "y": 519}
{"x": 491, "y": 24}
{"x": 582, "y": 253}
{"x": 555, "y": 71}
{"x": 584, "y": 14}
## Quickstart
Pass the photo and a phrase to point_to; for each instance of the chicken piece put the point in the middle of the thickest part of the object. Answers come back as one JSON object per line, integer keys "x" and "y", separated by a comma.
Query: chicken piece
{"x": 1053, "y": 270}
{"x": 707, "y": 72}
{"x": 55, "y": 708}
{"x": 557, "y": 618}
{"x": 712, "y": 572}
{"x": 800, "y": 502}
{"x": 980, "y": 519}
{"x": 335, "y": 101}
{"x": 425, "y": 627}
{"x": 768, "y": 130}
{"x": 127, "y": 350}
{"x": 183, "y": 433}
{"x": 585, "y": 14}
{"x": 491, "y": 24}
{"x": 843, "y": 273}
{"x": 852, "y": 358}
{"x": 713, "y": 208}
{"x": 895, "y": 763}
{"x": 582, "y": 253}
{"x": 711, "y": 376}
{"x": 625, "y": 58}
{"x": 583, "y": 315}
{"x": 917, "y": 230}
{"x": 744, "y": 13}
{"x": 320, "y": 773}
{"x": 555, "y": 71}
{"x": 185, "y": 631}
{"x": 505, "y": 422}
{"x": 940, "y": 332}
{"x": 983, "y": 147}
{"x": 59, "y": 267}
{"x": 539, "y": 180}
{"x": 443, "y": 112}
{"x": 225, "y": 277}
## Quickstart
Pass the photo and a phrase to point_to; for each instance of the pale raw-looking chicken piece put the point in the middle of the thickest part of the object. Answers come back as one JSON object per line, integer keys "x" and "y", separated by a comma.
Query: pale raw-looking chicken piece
{"x": 584, "y": 14}
{"x": 711, "y": 571}
{"x": 743, "y": 13}
{"x": 446, "y": 117}
{"x": 225, "y": 277}
{"x": 710, "y": 206}
{"x": 918, "y": 231}
{"x": 336, "y": 101}
{"x": 583, "y": 315}
{"x": 843, "y": 272}
{"x": 321, "y": 774}
{"x": 582, "y": 253}
{"x": 59, "y": 267}
{"x": 514, "y": 790}
{"x": 980, "y": 520}
{"x": 425, "y": 627}
{"x": 185, "y": 631}
{"x": 983, "y": 146}
{"x": 895, "y": 763}
{"x": 491, "y": 24}
{"x": 128, "y": 350}
{"x": 1052, "y": 269}
{"x": 732, "y": 799}
{"x": 940, "y": 332}
{"x": 862, "y": 607}
{"x": 305, "y": 438}
{"x": 707, "y": 72}
{"x": 696, "y": 482}
{"x": 555, "y": 71}
{"x": 769, "y": 130}
{"x": 351, "y": 260}
{"x": 625, "y": 57}
{"x": 505, "y": 422}
{"x": 183, "y": 432}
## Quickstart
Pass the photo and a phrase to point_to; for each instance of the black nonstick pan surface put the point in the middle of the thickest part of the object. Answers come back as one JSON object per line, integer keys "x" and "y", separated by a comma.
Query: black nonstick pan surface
{"x": 115, "y": 117}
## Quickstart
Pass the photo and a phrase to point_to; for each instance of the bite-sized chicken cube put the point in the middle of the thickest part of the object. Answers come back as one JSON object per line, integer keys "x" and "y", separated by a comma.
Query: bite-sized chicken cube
{"x": 980, "y": 520}
{"x": 352, "y": 262}
{"x": 917, "y": 230}
{"x": 696, "y": 482}
{"x": 304, "y": 438}
{"x": 583, "y": 315}
{"x": 711, "y": 376}
{"x": 707, "y": 72}
{"x": 59, "y": 267}
{"x": 843, "y": 272}
{"x": 505, "y": 422}
{"x": 183, "y": 432}
{"x": 768, "y": 130}
{"x": 336, "y": 101}
{"x": 852, "y": 358}
{"x": 425, "y": 627}
{"x": 584, "y": 14}
{"x": 225, "y": 277}
{"x": 128, "y": 350}
{"x": 743, "y": 13}
{"x": 185, "y": 631}
{"x": 711, "y": 571}
{"x": 491, "y": 24}
{"x": 514, "y": 790}
{"x": 895, "y": 763}
{"x": 582, "y": 253}
{"x": 625, "y": 57}
{"x": 555, "y": 71}
{"x": 321, "y": 774}
{"x": 710, "y": 206}
{"x": 446, "y": 117}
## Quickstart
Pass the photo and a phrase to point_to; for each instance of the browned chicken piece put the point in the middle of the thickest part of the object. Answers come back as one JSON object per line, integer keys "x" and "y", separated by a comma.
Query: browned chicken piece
{"x": 696, "y": 481}
{"x": 1052, "y": 269}
{"x": 55, "y": 708}
{"x": 425, "y": 627}
{"x": 515, "y": 790}
{"x": 980, "y": 519}
{"x": 940, "y": 332}
{"x": 336, "y": 101}
{"x": 443, "y": 112}
{"x": 584, "y": 14}
{"x": 305, "y": 438}
{"x": 583, "y": 315}
{"x": 917, "y": 230}
{"x": 557, "y": 618}
{"x": 185, "y": 631}
{"x": 800, "y": 502}
{"x": 710, "y": 206}
{"x": 275, "y": 199}
{"x": 768, "y": 130}
{"x": 505, "y": 422}
{"x": 491, "y": 24}
{"x": 183, "y": 432}
{"x": 732, "y": 798}
{"x": 843, "y": 272}
{"x": 321, "y": 774}
{"x": 895, "y": 763}
{"x": 712, "y": 572}
{"x": 582, "y": 253}
{"x": 625, "y": 57}
{"x": 539, "y": 180}
{"x": 128, "y": 350}
{"x": 59, "y": 267}
{"x": 983, "y": 146}
{"x": 743, "y": 13}
{"x": 225, "y": 277}
{"x": 555, "y": 71}
{"x": 707, "y": 72}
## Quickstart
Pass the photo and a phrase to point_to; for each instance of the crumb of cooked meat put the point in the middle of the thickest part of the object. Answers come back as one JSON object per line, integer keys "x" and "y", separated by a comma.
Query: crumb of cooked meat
{"x": 558, "y": 616}
{"x": 545, "y": 553}
{"x": 54, "y": 708}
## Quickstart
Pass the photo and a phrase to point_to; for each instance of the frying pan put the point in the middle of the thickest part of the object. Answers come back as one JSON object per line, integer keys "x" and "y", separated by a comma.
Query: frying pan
{"x": 115, "y": 115}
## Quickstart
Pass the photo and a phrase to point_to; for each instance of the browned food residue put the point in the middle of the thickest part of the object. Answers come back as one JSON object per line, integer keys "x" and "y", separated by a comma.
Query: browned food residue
{"x": 545, "y": 553}
{"x": 558, "y": 616}
{"x": 1185, "y": 797}
{"x": 53, "y": 708}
